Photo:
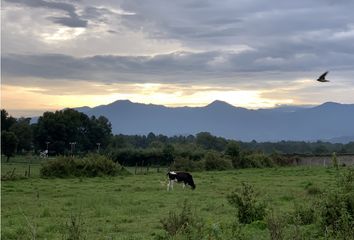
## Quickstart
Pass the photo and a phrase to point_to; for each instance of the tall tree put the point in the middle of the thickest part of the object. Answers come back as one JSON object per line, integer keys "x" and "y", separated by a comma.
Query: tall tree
{"x": 68, "y": 127}
{"x": 6, "y": 120}
{"x": 208, "y": 141}
{"x": 99, "y": 132}
{"x": 234, "y": 152}
{"x": 23, "y": 131}
{"x": 9, "y": 143}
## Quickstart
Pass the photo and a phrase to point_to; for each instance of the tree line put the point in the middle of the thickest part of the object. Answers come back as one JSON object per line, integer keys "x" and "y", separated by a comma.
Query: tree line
{"x": 59, "y": 132}
{"x": 68, "y": 132}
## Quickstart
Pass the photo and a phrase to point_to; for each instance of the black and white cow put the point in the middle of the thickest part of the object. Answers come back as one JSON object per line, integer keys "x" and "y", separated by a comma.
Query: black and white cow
{"x": 179, "y": 177}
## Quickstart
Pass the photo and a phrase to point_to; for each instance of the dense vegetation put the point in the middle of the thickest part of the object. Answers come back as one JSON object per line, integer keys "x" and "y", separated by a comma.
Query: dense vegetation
{"x": 92, "y": 165}
{"x": 69, "y": 132}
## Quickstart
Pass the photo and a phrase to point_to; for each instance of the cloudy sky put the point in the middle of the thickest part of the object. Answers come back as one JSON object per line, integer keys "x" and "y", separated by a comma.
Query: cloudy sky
{"x": 250, "y": 53}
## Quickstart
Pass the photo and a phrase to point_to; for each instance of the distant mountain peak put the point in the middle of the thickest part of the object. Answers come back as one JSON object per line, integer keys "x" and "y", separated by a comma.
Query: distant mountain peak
{"x": 330, "y": 104}
{"x": 129, "y": 104}
{"x": 218, "y": 103}
{"x": 124, "y": 101}
{"x": 82, "y": 109}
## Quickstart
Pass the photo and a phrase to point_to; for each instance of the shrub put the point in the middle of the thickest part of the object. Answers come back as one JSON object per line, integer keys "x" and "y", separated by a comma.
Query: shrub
{"x": 337, "y": 208}
{"x": 217, "y": 231}
{"x": 11, "y": 176}
{"x": 283, "y": 160}
{"x": 233, "y": 151}
{"x": 346, "y": 181}
{"x": 335, "y": 161}
{"x": 247, "y": 206}
{"x": 186, "y": 164}
{"x": 74, "y": 229}
{"x": 313, "y": 190}
{"x": 257, "y": 160}
{"x": 215, "y": 162}
{"x": 275, "y": 225}
{"x": 304, "y": 214}
{"x": 337, "y": 217}
{"x": 184, "y": 223}
{"x": 131, "y": 157}
{"x": 90, "y": 166}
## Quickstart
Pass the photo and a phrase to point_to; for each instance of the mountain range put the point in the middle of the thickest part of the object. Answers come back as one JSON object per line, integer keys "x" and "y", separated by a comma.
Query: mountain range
{"x": 329, "y": 121}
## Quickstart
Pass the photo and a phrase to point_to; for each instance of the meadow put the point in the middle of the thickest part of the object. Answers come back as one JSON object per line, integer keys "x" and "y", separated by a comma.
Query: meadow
{"x": 131, "y": 207}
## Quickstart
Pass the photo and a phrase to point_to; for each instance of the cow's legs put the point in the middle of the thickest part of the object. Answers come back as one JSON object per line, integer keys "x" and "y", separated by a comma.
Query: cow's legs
{"x": 170, "y": 185}
{"x": 183, "y": 185}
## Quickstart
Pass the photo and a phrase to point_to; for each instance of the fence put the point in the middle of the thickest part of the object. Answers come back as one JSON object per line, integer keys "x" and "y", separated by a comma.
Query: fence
{"x": 347, "y": 160}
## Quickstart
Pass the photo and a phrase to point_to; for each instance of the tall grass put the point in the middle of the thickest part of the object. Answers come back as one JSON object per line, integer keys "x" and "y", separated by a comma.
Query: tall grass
{"x": 131, "y": 207}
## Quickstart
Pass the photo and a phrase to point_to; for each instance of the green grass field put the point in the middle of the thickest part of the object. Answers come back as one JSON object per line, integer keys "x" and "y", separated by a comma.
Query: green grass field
{"x": 131, "y": 207}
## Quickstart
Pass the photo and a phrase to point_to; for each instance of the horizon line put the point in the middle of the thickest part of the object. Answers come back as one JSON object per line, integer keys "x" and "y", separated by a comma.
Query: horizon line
{"x": 37, "y": 112}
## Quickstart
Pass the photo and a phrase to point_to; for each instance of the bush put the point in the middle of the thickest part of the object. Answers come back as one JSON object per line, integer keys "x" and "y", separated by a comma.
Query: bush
{"x": 346, "y": 181}
{"x": 11, "y": 176}
{"x": 90, "y": 166}
{"x": 276, "y": 226}
{"x": 283, "y": 160}
{"x": 303, "y": 214}
{"x": 258, "y": 160}
{"x": 215, "y": 162}
{"x": 337, "y": 208}
{"x": 74, "y": 229}
{"x": 186, "y": 164}
{"x": 184, "y": 223}
{"x": 337, "y": 217}
{"x": 313, "y": 190}
{"x": 233, "y": 151}
{"x": 248, "y": 207}
{"x": 335, "y": 161}
{"x": 131, "y": 157}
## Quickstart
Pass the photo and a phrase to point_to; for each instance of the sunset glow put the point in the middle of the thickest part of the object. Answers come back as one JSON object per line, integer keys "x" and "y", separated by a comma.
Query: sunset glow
{"x": 27, "y": 98}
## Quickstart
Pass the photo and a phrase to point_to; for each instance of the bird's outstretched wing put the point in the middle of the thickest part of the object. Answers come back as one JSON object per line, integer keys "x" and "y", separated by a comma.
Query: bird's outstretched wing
{"x": 323, "y": 76}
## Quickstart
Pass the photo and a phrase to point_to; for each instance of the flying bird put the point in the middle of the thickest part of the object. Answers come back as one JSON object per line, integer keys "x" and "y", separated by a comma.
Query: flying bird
{"x": 322, "y": 78}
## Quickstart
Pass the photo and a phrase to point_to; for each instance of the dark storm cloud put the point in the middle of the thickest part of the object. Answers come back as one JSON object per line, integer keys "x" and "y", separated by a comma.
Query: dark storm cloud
{"x": 285, "y": 35}
{"x": 71, "y": 20}
{"x": 255, "y": 23}
{"x": 47, "y": 4}
{"x": 174, "y": 67}
{"x": 103, "y": 68}
{"x": 280, "y": 36}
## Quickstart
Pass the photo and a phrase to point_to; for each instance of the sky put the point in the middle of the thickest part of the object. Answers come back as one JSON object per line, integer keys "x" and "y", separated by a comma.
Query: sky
{"x": 249, "y": 53}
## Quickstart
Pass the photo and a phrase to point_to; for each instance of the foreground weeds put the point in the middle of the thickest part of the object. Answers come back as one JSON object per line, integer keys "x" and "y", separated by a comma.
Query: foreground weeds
{"x": 188, "y": 224}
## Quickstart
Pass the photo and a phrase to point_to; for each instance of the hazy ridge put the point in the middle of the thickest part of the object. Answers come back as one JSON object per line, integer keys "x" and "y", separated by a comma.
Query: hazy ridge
{"x": 328, "y": 121}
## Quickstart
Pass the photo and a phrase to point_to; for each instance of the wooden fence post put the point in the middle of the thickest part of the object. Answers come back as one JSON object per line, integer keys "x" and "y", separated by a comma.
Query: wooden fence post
{"x": 13, "y": 172}
{"x": 29, "y": 167}
{"x": 141, "y": 167}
